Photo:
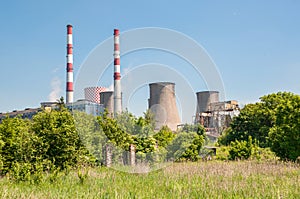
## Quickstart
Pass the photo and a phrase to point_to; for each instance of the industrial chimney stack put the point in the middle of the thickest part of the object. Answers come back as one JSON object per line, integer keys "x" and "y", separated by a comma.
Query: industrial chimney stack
{"x": 69, "y": 91}
{"x": 117, "y": 75}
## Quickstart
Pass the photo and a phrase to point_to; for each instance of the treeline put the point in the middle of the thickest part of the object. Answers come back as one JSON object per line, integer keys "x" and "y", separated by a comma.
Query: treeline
{"x": 271, "y": 124}
{"x": 58, "y": 140}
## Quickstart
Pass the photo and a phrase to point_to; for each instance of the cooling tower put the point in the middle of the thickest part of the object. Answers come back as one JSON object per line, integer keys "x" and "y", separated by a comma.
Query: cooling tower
{"x": 93, "y": 93}
{"x": 162, "y": 104}
{"x": 107, "y": 99}
{"x": 204, "y": 99}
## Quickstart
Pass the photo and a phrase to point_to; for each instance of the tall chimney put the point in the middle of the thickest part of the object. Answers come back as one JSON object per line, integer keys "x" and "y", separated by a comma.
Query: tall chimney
{"x": 117, "y": 75}
{"x": 69, "y": 91}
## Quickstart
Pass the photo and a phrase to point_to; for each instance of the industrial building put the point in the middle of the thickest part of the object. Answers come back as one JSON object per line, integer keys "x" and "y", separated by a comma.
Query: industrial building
{"x": 83, "y": 105}
{"x": 26, "y": 113}
{"x": 214, "y": 115}
{"x": 91, "y": 108}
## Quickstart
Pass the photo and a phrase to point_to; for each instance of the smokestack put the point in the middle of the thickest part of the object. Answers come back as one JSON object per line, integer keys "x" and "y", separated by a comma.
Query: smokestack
{"x": 69, "y": 91}
{"x": 117, "y": 75}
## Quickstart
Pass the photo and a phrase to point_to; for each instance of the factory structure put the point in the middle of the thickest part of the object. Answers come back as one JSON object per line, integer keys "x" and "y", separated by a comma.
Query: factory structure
{"x": 214, "y": 115}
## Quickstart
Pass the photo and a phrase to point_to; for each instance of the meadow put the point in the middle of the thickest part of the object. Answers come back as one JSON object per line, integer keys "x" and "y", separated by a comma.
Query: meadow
{"x": 212, "y": 179}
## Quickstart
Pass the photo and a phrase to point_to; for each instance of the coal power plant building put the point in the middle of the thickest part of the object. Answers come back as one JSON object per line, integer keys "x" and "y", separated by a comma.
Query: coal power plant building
{"x": 214, "y": 115}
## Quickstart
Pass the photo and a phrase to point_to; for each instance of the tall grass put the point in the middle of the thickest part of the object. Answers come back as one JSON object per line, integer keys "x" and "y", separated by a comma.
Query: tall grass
{"x": 246, "y": 179}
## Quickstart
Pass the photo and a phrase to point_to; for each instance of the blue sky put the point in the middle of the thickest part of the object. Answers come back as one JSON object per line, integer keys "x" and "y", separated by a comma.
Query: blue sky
{"x": 254, "y": 44}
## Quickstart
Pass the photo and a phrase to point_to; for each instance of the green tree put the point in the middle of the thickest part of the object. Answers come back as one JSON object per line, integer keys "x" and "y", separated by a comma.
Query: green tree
{"x": 127, "y": 122}
{"x": 61, "y": 103}
{"x": 284, "y": 136}
{"x": 149, "y": 118}
{"x": 61, "y": 142}
{"x": 272, "y": 122}
{"x": 254, "y": 120}
{"x": 19, "y": 143}
{"x": 187, "y": 143}
{"x": 114, "y": 132}
{"x": 197, "y": 128}
{"x": 90, "y": 133}
{"x": 164, "y": 136}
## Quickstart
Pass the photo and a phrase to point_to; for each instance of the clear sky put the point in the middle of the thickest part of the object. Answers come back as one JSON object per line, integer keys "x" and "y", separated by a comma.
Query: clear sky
{"x": 254, "y": 44}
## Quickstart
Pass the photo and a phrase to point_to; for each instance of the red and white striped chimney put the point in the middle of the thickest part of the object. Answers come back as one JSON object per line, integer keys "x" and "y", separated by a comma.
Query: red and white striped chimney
{"x": 69, "y": 91}
{"x": 117, "y": 75}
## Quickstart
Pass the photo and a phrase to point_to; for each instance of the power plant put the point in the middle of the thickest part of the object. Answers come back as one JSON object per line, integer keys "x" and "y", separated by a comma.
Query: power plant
{"x": 210, "y": 112}
{"x": 214, "y": 115}
{"x": 162, "y": 103}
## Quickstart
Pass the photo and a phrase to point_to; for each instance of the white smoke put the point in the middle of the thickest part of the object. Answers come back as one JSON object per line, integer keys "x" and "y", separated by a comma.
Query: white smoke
{"x": 111, "y": 87}
{"x": 55, "y": 89}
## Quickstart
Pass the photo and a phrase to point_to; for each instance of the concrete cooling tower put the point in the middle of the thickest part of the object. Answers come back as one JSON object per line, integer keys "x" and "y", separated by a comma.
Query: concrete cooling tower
{"x": 162, "y": 103}
{"x": 107, "y": 99}
{"x": 204, "y": 100}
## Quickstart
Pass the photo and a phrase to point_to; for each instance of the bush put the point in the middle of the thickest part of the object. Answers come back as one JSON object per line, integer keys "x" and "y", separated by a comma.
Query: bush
{"x": 241, "y": 149}
{"x": 222, "y": 153}
{"x": 263, "y": 154}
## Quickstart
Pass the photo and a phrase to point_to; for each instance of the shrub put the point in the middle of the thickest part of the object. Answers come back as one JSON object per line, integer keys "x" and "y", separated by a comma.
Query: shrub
{"x": 240, "y": 149}
{"x": 222, "y": 153}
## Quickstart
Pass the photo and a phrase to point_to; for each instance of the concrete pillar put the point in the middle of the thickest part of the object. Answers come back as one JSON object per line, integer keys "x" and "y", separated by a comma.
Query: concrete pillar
{"x": 132, "y": 155}
{"x": 108, "y": 155}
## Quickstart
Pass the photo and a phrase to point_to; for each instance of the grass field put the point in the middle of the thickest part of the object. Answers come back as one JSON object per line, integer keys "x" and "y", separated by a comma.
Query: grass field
{"x": 243, "y": 179}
